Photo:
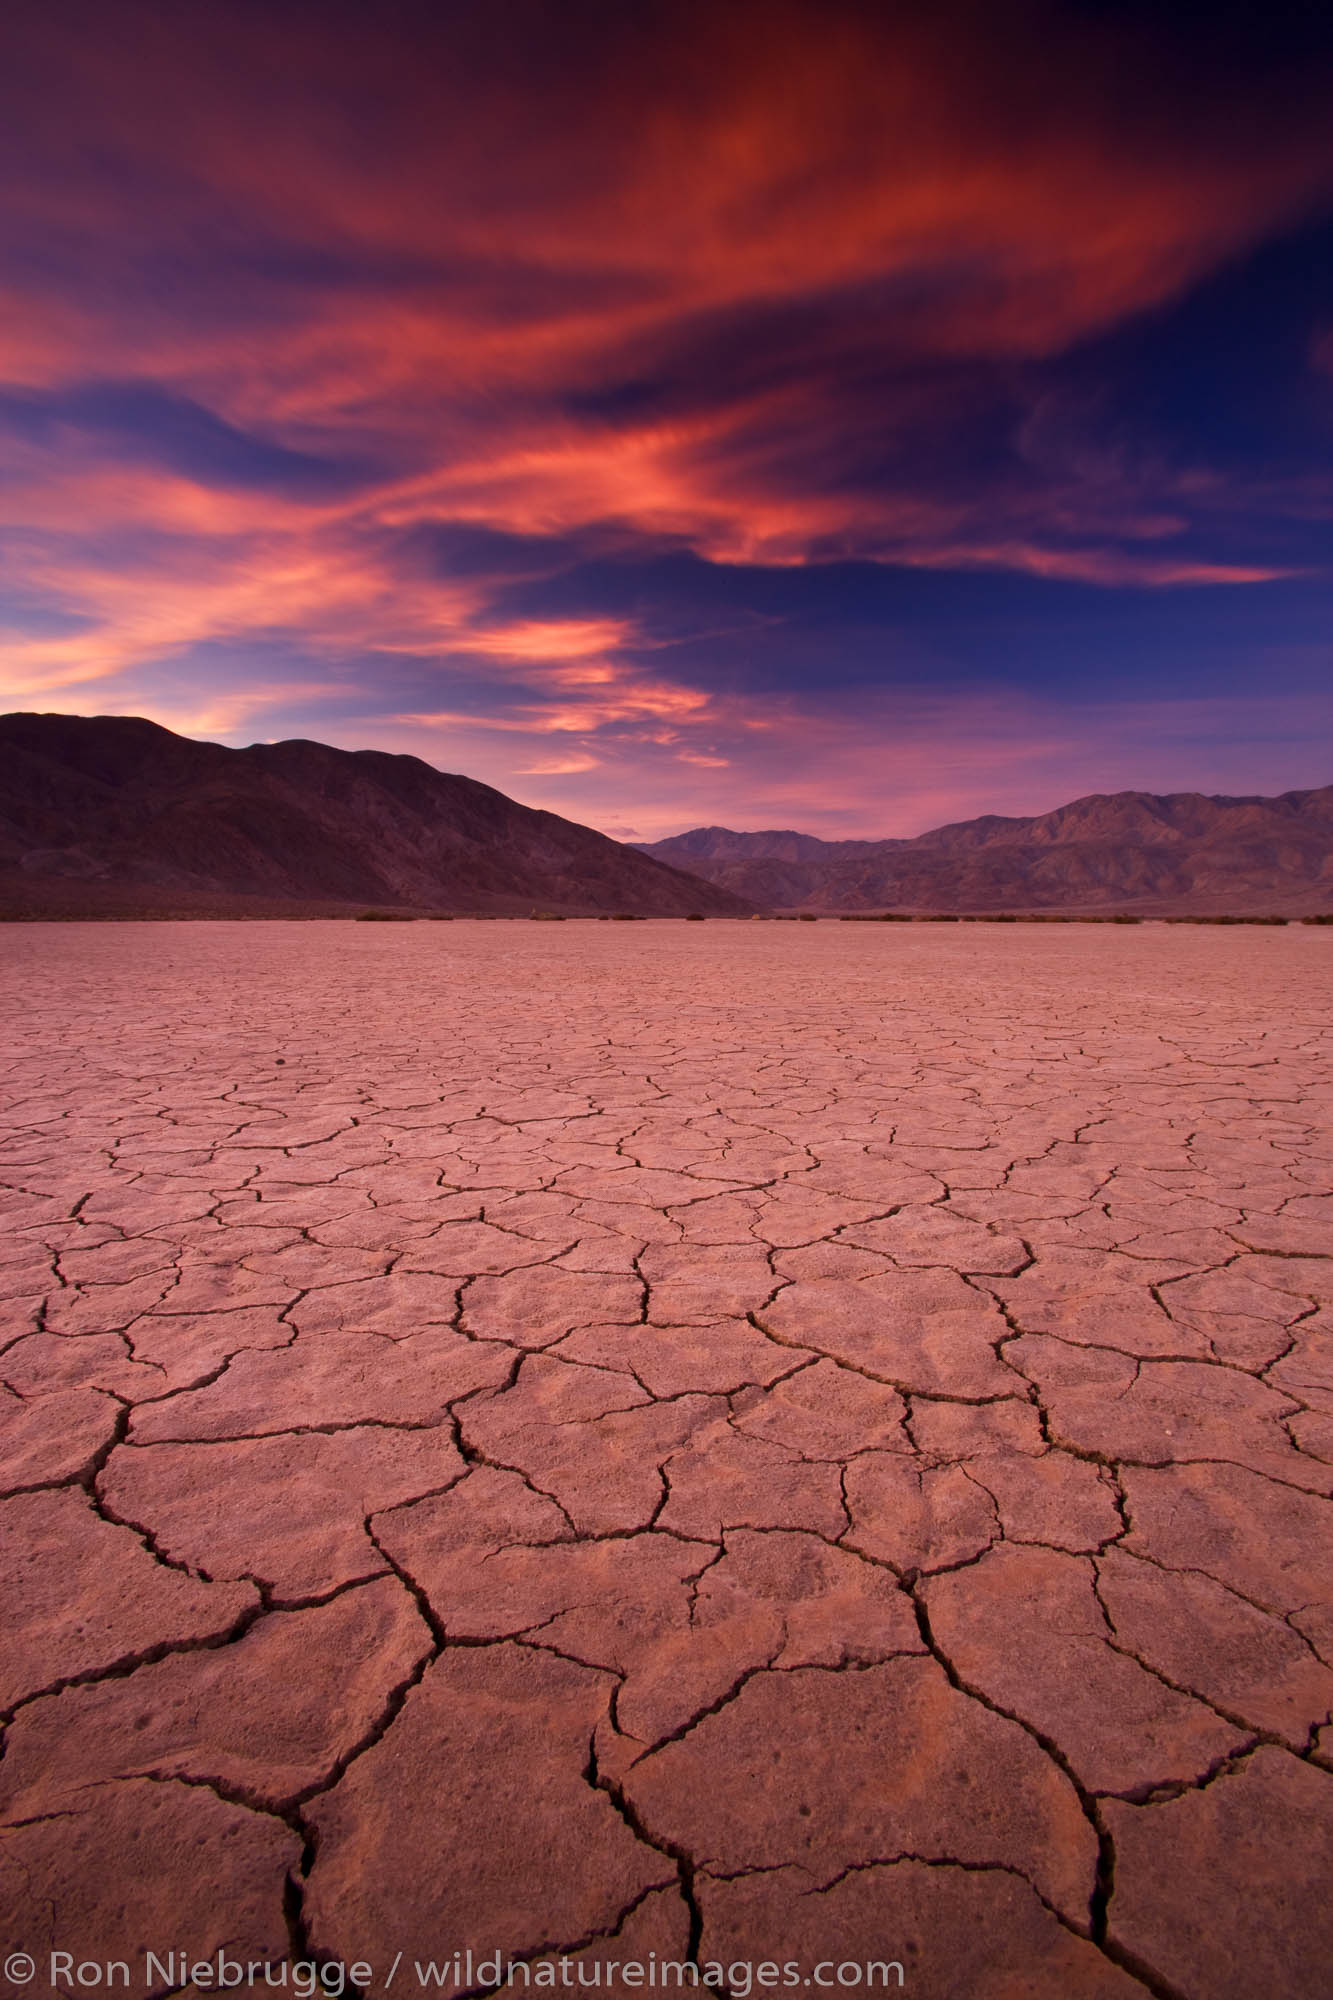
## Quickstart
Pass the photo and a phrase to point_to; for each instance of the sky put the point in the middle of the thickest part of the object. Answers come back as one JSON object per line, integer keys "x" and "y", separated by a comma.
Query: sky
{"x": 842, "y": 417}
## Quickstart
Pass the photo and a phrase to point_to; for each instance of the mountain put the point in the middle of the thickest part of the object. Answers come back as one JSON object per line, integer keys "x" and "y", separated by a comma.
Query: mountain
{"x": 1174, "y": 855}
{"x": 112, "y": 815}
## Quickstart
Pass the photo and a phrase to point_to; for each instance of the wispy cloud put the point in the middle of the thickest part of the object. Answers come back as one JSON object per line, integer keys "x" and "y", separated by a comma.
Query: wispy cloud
{"x": 281, "y": 310}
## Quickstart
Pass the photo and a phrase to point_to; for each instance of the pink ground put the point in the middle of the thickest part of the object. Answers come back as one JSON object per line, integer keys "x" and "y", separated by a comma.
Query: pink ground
{"x": 801, "y": 1444}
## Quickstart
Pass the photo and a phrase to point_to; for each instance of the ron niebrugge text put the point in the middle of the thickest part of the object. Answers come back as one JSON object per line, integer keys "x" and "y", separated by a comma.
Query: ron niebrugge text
{"x": 462, "y": 1972}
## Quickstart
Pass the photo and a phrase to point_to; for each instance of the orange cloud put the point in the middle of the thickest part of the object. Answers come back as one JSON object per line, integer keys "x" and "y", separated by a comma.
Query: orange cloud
{"x": 673, "y": 282}
{"x": 551, "y": 639}
{"x": 557, "y": 767}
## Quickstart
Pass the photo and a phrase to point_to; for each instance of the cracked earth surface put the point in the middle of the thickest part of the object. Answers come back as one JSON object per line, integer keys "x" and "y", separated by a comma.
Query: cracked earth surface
{"x": 775, "y": 1443}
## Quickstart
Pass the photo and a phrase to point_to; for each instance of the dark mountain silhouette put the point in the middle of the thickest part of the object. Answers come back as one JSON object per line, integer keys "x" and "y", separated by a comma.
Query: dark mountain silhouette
{"x": 112, "y": 815}
{"x": 1128, "y": 850}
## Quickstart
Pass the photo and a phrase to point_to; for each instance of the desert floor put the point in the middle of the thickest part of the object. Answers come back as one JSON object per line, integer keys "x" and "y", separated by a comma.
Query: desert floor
{"x": 789, "y": 1446}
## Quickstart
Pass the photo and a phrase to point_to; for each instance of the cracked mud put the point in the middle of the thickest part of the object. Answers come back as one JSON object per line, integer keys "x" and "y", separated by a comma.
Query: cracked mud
{"x": 740, "y": 1444}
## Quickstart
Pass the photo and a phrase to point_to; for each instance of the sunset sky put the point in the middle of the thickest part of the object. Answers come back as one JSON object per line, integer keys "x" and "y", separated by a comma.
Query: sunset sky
{"x": 842, "y": 417}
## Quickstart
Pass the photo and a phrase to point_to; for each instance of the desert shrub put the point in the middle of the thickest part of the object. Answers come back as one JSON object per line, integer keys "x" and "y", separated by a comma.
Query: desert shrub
{"x": 1325, "y": 917}
{"x": 385, "y": 917}
{"x": 694, "y": 917}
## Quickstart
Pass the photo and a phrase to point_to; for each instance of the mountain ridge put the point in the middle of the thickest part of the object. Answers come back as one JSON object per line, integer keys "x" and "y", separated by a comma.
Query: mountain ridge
{"x": 115, "y": 815}
{"x": 1173, "y": 852}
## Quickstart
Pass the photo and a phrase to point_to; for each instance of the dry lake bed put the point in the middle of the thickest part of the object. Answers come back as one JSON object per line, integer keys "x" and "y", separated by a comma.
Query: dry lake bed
{"x": 797, "y": 1451}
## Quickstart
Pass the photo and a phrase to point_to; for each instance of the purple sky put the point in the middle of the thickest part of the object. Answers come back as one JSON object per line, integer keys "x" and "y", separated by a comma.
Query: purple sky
{"x": 845, "y": 417}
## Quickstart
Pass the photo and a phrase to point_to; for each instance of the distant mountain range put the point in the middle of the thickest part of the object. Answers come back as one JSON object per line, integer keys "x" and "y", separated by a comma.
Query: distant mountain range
{"x": 114, "y": 816}
{"x": 1184, "y": 852}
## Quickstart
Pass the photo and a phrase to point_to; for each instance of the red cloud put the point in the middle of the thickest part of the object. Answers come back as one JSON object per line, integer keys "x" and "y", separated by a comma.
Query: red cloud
{"x": 569, "y": 273}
